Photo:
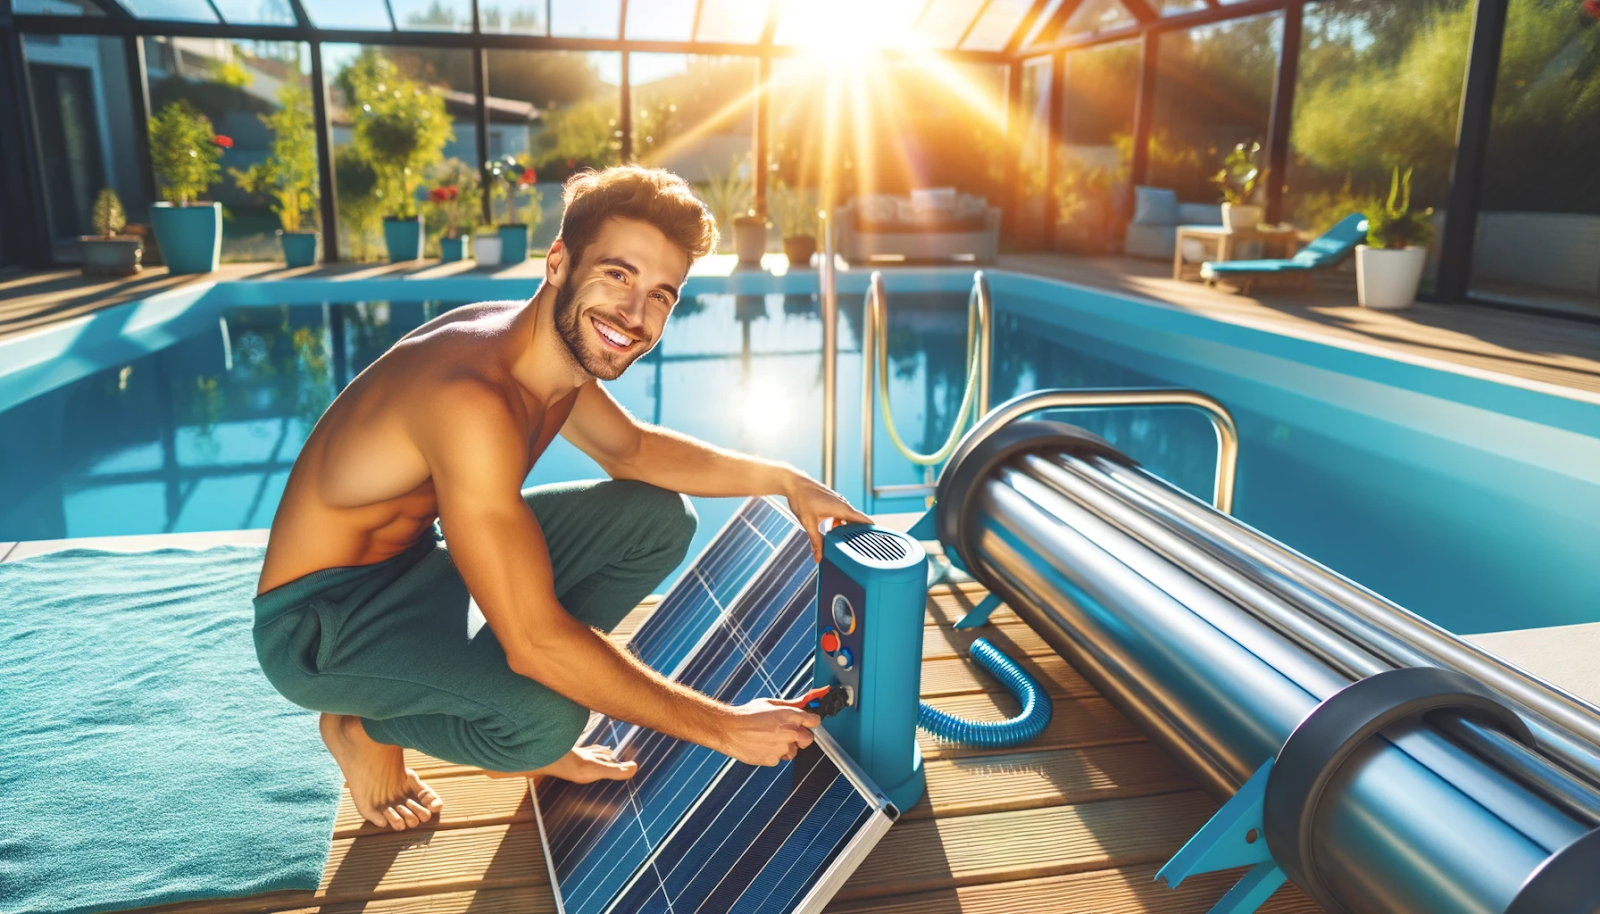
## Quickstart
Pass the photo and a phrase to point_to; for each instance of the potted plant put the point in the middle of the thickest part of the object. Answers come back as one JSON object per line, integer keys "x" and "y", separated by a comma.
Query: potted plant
{"x": 750, "y": 238}
{"x": 486, "y": 246}
{"x": 447, "y": 198}
{"x": 288, "y": 175}
{"x": 1237, "y": 180}
{"x": 517, "y": 177}
{"x": 186, "y": 155}
{"x": 1389, "y": 266}
{"x": 108, "y": 252}
{"x": 799, "y": 219}
{"x": 400, "y": 127}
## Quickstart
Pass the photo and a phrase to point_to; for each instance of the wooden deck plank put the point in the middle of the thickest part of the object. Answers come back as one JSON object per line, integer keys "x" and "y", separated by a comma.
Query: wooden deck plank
{"x": 403, "y": 864}
{"x": 958, "y": 676}
{"x": 1077, "y": 723}
{"x": 927, "y": 854}
{"x": 469, "y": 802}
{"x": 1053, "y": 777}
{"x": 1015, "y": 639}
{"x": 1125, "y": 890}
{"x": 527, "y": 900}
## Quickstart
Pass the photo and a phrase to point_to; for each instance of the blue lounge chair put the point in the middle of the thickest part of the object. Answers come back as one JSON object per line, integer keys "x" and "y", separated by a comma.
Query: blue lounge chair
{"x": 1328, "y": 250}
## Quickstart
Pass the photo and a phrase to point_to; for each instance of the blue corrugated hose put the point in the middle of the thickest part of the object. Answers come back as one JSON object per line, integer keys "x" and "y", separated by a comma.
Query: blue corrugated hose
{"x": 994, "y": 734}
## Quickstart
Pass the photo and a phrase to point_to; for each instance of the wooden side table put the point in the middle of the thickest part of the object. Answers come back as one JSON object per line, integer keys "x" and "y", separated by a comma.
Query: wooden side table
{"x": 1225, "y": 239}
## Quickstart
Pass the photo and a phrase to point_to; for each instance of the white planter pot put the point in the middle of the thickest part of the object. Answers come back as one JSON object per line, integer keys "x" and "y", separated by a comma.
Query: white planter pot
{"x": 1387, "y": 280}
{"x": 1240, "y": 218}
{"x": 486, "y": 250}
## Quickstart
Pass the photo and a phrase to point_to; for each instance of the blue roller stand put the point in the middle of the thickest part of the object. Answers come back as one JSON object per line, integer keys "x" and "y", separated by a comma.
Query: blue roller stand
{"x": 871, "y": 601}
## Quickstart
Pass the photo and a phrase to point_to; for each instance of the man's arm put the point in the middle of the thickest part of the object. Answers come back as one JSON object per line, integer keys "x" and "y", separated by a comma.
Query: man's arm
{"x": 476, "y": 454}
{"x": 629, "y": 449}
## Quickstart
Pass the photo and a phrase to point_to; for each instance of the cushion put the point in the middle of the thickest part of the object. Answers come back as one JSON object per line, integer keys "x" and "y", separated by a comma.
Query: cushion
{"x": 1199, "y": 214}
{"x": 877, "y": 208}
{"x": 934, "y": 198}
{"x": 1155, "y": 206}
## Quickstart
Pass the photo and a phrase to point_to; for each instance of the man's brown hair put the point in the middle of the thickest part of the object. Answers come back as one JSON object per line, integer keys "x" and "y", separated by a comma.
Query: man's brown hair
{"x": 650, "y": 195}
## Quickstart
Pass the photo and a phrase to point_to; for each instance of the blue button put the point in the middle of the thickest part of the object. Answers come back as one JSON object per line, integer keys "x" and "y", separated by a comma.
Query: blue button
{"x": 845, "y": 659}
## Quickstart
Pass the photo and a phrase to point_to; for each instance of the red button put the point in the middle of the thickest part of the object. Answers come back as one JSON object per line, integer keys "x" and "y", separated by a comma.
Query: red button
{"x": 830, "y": 641}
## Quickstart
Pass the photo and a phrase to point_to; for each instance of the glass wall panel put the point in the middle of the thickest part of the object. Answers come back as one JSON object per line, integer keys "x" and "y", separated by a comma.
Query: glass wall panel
{"x": 241, "y": 88}
{"x": 86, "y": 130}
{"x": 1173, "y": 7}
{"x": 1033, "y": 153}
{"x": 514, "y": 17}
{"x": 1000, "y": 20}
{"x": 433, "y": 15}
{"x": 661, "y": 20}
{"x": 1213, "y": 91}
{"x": 181, "y": 10}
{"x": 371, "y": 15}
{"x": 256, "y": 12}
{"x": 1538, "y": 232}
{"x": 1096, "y": 16}
{"x": 695, "y": 115}
{"x": 439, "y": 114}
{"x": 56, "y": 8}
{"x": 823, "y": 22}
{"x": 734, "y": 21}
{"x": 586, "y": 18}
{"x": 1042, "y": 28}
{"x": 573, "y": 102}
{"x": 1379, "y": 88}
{"x": 1096, "y": 151}
{"x": 943, "y": 22}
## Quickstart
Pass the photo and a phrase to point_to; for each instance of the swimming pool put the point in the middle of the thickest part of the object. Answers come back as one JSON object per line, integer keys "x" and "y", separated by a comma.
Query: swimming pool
{"x": 1473, "y": 502}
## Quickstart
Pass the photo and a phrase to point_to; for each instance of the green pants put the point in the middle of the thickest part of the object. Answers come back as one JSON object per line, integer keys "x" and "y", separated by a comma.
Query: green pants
{"x": 395, "y": 643}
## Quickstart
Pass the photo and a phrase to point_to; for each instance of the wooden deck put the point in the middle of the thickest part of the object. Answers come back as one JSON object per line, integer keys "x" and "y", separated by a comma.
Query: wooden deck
{"x": 1564, "y": 352}
{"x": 1074, "y": 823}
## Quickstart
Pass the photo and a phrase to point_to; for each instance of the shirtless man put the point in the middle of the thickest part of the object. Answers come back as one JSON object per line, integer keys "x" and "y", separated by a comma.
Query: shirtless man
{"x": 364, "y": 613}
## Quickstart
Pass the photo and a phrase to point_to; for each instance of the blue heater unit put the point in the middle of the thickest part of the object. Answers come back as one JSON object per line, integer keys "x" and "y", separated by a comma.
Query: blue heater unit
{"x": 871, "y": 600}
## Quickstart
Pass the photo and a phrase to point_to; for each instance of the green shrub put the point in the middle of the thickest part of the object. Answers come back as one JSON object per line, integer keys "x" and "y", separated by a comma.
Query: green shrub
{"x": 289, "y": 173}
{"x": 399, "y": 127}
{"x": 1394, "y": 226}
{"x": 108, "y": 216}
{"x": 185, "y": 152}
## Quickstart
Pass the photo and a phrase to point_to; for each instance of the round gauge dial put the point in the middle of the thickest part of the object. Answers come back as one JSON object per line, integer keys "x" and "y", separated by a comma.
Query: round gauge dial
{"x": 844, "y": 615}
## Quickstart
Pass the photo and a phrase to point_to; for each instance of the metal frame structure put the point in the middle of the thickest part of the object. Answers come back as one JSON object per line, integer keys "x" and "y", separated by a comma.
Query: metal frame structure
{"x": 1038, "y": 33}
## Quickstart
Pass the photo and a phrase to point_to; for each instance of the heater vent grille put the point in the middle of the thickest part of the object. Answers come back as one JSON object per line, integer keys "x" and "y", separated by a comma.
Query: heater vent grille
{"x": 873, "y": 544}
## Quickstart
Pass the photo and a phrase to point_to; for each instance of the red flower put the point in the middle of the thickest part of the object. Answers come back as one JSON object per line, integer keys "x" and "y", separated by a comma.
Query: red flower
{"x": 527, "y": 178}
{"x": 436, "y": 195}
{"x": 1592, "y": 7}
{"x": 572, "y": 163}
{"x": 226, "y": 142}
{"x": 450, "y": 193}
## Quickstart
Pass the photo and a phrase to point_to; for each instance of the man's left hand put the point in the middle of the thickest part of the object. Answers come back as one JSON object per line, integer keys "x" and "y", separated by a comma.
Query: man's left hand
{"x": 812, "y": 502}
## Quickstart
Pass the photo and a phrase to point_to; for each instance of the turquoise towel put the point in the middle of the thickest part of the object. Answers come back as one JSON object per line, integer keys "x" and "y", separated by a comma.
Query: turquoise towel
{"x": 144, "y": 758}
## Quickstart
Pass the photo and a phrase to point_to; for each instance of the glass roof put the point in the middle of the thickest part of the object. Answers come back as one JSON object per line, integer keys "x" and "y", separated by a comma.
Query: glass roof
{"x": 831, "y": 26}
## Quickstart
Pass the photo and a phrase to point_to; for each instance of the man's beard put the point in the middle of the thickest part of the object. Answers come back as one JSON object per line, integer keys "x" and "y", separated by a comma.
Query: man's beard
{"x": 568, "y": 328}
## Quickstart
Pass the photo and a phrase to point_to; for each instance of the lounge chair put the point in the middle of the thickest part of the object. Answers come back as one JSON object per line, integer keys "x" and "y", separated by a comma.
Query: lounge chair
{"x": 1328, "y": 250}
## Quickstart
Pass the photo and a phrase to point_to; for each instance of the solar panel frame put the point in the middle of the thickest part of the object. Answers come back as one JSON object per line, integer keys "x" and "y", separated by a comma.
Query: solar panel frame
{"x": 764, "y": 635}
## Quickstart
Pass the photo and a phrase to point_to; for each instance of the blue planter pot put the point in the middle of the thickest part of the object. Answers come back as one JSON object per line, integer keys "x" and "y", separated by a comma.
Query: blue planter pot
{"x": 403, "y": 238}
{"x": 452, "y": 249}
{"x": 513, "y": 243}
{"x": 190, "y": 237}
{"x": 299, "y": 248}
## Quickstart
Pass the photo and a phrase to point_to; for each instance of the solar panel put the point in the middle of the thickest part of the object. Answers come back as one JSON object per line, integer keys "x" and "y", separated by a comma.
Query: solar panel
{"x": 694, "y": 830}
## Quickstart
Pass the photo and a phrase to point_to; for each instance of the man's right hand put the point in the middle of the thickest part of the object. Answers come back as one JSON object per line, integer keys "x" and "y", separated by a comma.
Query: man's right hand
{"x": 767, "y": 731}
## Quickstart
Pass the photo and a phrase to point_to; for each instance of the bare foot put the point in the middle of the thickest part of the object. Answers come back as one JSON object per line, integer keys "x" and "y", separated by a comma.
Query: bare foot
{"x": 583, "y": 765}
{"x": 385, "y": 791}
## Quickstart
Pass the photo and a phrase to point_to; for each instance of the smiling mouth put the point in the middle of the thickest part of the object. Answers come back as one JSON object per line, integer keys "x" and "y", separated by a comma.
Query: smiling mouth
{"x": 612, "y": 337}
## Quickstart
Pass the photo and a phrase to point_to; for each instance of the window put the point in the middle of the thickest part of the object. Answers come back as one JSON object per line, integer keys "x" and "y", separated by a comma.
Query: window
{"x": 239, "y": 87}
{"x": 1213, "y": 91}
{"x": 1538, "y": 232}
{"x": 1096, "y": 150}
{"x": 86, "y": 127}
{"x": 1379, "y": 87}
{"x": 441, "y": 109}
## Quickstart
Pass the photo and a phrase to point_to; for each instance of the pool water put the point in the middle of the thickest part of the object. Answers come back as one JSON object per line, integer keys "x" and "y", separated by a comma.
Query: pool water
{"x": 201, "y": 435}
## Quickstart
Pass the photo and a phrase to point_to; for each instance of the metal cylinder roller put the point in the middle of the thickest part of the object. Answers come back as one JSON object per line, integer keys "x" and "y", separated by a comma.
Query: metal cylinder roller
{"x": 1219, "y": 643}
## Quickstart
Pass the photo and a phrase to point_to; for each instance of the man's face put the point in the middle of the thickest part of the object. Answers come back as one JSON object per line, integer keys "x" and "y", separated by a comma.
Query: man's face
{"x": 612, "y": 306}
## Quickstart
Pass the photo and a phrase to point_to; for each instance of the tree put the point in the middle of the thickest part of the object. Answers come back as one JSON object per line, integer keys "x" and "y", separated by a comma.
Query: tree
{"x": 289, "y": 173}
{"x": 399, "y": 126}
{"x": 184, "y": 151}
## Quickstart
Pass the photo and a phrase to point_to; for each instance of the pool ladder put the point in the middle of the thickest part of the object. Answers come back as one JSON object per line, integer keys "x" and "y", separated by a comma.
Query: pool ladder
{"x": 975, "y": 398}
